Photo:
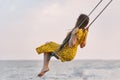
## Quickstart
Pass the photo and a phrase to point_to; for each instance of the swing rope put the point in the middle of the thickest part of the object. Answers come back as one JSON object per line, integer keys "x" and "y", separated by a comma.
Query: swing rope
{"x": 100, "y": 13}
{"x": 95, "y": 7}
{"x": 91, "y": 12}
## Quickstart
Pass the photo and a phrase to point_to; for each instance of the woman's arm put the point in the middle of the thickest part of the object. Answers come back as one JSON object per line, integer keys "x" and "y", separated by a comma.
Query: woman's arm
{"x": 73, "y": 38}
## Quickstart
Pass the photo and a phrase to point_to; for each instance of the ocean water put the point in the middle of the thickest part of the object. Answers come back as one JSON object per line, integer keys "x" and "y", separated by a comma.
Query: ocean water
{"x": 73, "y": 70}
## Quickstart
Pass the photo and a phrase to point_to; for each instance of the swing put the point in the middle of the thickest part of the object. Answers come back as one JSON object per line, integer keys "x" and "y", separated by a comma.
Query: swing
{"x": 67, "y": 39}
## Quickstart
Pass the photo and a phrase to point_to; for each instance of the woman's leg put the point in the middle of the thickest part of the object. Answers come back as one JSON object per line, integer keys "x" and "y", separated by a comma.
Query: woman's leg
{"x": 47, "y": 57}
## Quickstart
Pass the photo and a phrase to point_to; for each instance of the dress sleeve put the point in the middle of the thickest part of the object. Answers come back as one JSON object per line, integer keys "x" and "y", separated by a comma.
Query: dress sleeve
{"x": 79, "y": 34}
{"x": 84, "y": 36}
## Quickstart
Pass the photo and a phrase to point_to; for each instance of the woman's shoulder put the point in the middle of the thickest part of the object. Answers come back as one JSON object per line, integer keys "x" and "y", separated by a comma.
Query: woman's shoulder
{"x": 79, "y": 31}
{"x": 82, "y": 31}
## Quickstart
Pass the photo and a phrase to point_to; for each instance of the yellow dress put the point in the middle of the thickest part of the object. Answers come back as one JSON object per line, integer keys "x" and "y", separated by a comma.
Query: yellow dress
{"x": 67, "y": 53}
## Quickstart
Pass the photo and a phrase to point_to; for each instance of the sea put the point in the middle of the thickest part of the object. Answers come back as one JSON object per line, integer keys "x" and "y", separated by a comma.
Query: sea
{"x": 72, "y": 70}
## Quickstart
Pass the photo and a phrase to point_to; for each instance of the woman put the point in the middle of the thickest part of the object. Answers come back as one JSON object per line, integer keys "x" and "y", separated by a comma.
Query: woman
{"x": 67, "y": 50}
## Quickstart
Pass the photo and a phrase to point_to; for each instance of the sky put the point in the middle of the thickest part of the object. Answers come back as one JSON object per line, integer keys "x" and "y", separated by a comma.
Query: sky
{"x": 27, "y": 24}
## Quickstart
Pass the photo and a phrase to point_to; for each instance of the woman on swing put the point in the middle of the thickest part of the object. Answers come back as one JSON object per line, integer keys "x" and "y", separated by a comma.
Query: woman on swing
{"x": 67, "y": 50}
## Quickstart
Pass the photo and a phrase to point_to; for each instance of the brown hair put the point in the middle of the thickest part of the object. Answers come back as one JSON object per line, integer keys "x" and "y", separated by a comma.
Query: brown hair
{"x": 81, "y": 23}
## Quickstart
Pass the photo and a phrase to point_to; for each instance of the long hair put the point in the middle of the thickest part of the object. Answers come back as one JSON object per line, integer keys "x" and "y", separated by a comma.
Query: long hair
{"x": 81, "y": 23}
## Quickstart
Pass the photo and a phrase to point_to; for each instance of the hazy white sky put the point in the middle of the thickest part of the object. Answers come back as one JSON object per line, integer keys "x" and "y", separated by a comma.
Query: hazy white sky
{"x": 27, "y": 24}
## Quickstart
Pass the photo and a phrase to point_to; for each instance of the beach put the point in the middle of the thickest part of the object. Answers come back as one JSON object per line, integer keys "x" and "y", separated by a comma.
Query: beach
{"x": 73, "y": 70}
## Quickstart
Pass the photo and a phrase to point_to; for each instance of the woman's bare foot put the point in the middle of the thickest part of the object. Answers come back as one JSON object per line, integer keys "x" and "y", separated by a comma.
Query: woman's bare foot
{"x": 43, "y": 71}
